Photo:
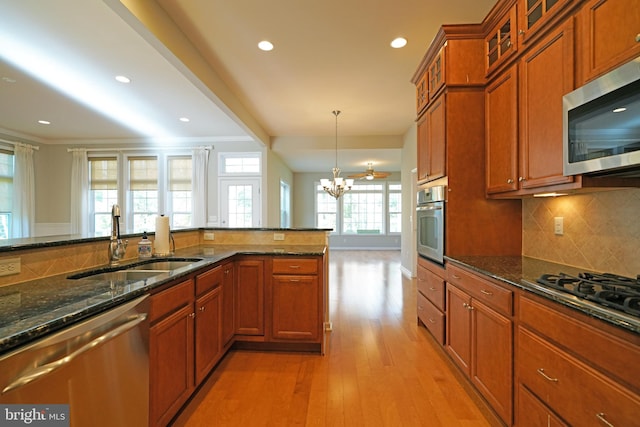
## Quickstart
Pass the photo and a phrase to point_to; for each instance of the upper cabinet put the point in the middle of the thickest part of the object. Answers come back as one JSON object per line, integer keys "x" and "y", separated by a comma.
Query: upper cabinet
{"x": 502, "y": 40}
{"x": 536, "y": 14}
{"x": 609, "y": 35}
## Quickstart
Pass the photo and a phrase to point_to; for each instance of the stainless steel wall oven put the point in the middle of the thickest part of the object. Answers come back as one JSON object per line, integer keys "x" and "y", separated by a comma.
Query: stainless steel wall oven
{"x": 430, "y": 223}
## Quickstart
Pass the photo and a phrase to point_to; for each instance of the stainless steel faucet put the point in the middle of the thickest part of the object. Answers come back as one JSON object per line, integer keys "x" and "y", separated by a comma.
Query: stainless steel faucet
{"x": 117, "y": 247}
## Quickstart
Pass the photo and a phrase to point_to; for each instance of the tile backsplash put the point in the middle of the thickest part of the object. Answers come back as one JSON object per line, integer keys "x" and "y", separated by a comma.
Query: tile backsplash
{"x": 601, "y": 230}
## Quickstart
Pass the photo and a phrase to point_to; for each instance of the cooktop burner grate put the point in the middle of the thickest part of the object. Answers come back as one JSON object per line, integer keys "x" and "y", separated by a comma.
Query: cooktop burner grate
{"x": 610, "y": 290}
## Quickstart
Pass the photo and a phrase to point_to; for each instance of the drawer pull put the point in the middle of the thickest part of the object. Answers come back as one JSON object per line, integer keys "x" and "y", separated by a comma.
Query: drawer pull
{"x": 455, "y": 276}
{"x": 547, "y": 377}
{"x": 602, "y": 417}
{"x": 433, "y": 289}
{"x": 432, "y": 321}
{"x": 294, "y": 266}
{"x": 202, "y": 308}
{"x": 294, "y": 280}
{"x": 486, "y": 292}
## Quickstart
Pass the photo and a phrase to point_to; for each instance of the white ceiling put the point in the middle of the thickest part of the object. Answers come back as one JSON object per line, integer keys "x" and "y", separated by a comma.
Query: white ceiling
{"x": 330, "y": 54}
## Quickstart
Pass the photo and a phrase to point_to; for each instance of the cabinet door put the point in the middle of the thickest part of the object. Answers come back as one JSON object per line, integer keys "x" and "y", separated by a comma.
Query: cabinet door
{"x": 296, "y": 309}
{"x": 546, "y": 74}
{"x": 492, "y": 358}
{"x": 501, "y": 100}
{"x": 436, "y": 138}
{"x": 458, "y": 333}
{"x": 533, "y": 413}
{"x": 228, "y": 303}
{"x": 423, "y": 149}
{"x": 610, "y": 34}
{"x": 171, "y": 366}
{"x": 501, "y": 41}
{"x": 208, "y": 346}
{"x": 249, "y": 313}
{"x": 535, "y": 14}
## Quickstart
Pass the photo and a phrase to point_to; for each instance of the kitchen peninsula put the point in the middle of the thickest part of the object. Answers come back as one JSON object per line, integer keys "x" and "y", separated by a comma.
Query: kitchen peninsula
{"x": 243, "y": 288}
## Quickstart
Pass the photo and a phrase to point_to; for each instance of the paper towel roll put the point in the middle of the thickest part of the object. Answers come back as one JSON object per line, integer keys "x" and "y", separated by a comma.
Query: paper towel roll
{"x": 161, "y": 243}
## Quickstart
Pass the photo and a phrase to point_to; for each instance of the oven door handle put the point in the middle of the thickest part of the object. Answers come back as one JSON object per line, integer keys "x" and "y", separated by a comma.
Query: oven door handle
{"x": 429, "y": 208}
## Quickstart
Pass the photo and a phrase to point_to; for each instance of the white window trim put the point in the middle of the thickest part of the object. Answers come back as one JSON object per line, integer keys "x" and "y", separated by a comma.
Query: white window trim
{"x": 222, "y": 156}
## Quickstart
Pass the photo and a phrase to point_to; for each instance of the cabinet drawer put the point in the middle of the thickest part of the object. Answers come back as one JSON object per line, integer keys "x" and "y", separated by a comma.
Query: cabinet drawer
{"x": 209, "y": 280}
{"x": 600, "y": 348}
{"x": 533, "y": 413}
{"x": 171, "y": 300}
{"x": 493, "y": 295}
{"x": 431, "y": 286}
{"x": 295, "y": 266}
{"x": 432, "y": 318}
{"x": 580, "y": 395}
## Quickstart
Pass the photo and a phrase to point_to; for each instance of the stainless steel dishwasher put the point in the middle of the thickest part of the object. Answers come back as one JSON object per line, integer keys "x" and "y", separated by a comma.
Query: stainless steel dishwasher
{"x": 99, "y": 367}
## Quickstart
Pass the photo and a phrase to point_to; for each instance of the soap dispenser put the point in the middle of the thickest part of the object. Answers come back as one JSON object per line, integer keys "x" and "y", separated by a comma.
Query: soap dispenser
{"x": 144, "y": 247}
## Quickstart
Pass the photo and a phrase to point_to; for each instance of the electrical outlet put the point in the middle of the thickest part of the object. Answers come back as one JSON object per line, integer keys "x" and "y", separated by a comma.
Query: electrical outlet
{"x": 209, "y": 236}
{"x": 558, "y": 226}
{"x": 278, "y": 236}
{"x": 9, "y": 266}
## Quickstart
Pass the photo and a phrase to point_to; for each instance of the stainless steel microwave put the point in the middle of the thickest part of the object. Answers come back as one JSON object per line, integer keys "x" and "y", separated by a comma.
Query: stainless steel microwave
{"x": 602, "y": 125}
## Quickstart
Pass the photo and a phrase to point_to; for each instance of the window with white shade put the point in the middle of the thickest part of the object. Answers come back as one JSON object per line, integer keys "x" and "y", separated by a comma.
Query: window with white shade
{"x": 179, "y": 184}
{"x": 143, "y": 193}
{"x": 103, "y": 193}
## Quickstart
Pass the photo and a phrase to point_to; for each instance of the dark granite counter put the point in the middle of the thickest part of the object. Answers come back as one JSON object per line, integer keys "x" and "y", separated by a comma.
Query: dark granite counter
{"x": 522, "y": 272}
{"x": 33, "y": 309}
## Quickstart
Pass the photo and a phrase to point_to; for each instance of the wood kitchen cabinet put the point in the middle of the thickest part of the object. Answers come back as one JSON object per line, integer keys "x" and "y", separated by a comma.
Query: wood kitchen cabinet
{"x": 431, "y": 141}
{"x": 561, "y": 352}
{"x": 296, "y": 299}
{"x": 171, "y": 351}
{"x": 208, "y": 321}
{"x": 534, "y": 15}
{"x": 228, "y": 303}
{"x": 431, "y": 298}
{"x": 479, "y": 336}
{"x": 422, "y": 92}
{"x": 502, "y": 40}
{"x": 249, "y": 296}
{"x": 608, "y": 36}
{"x": 532, "y": 140}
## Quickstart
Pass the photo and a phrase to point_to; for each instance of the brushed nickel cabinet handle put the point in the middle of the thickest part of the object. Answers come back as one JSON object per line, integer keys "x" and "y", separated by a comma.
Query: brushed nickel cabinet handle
{"x": 509, "y": 181}
{"x": 547, "y": 377}
{"x": 432, "y": 321}
{"x": 521, "y": 32}
{"x": 294, "y": 266}
{"x": 486, "y": 292}
{"x": 455, "y": 276}
{"x": 467, "y": 306}
{"x": 638, "y": 37}
{"x": 602, "y": 417}
{"x": 433, "y": 289}
{"x": 201, "y": 308}
{"x": 521, "y": 179}
{"x": 192, "y": 315}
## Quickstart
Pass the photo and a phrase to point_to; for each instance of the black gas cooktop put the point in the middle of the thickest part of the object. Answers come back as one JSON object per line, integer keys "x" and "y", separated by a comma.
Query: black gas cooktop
{"x": 608, "y": 290}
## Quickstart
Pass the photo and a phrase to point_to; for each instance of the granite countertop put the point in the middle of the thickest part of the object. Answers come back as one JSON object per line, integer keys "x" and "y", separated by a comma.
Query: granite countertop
{"x": 33, "y": 309}
{"x": 522, "y": 272}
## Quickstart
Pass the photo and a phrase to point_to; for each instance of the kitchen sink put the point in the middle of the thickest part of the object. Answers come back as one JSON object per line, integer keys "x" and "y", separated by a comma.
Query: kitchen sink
{"x": 137, "y": 271}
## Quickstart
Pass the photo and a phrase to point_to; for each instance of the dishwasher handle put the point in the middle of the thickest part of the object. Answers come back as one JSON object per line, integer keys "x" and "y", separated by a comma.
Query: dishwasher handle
{"x": 132, "y": 322}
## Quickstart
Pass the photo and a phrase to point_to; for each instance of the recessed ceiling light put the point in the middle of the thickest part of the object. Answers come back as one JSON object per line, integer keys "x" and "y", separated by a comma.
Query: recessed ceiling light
{"x": 265, "y": 45}
{"x": 619, "y": 110}
{"x": 123, "y": 79}
{"x": 184, "y": 119}
{"x": 399, "y": 42}
{"x": 44, "y": 122}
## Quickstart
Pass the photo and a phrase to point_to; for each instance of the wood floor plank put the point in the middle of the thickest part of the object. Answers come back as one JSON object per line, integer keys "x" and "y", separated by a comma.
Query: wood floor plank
{"x": 380, "y": 369}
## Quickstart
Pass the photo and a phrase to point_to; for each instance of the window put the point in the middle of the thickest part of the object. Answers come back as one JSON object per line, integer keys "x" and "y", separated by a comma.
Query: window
{"x": 179, "y": 185}
{"x": 143, "y": 193}
{"x": 285, "y": 203}
{"x": 144, "y": 187}
{"x": 363, "y": 210}
{"x": 326, "y": 210}
{"x": 103, "y": 193}
{"x": 369, "y": 208}
{"x": 240, "y": 163}
{"x": 395, "y": 208}
{"x": 6, "y": 191}
{"x": 240, "y": 206}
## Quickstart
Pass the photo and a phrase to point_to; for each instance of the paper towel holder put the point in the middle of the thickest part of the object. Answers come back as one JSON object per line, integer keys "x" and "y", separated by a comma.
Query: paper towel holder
{"x": 172, "y": 242}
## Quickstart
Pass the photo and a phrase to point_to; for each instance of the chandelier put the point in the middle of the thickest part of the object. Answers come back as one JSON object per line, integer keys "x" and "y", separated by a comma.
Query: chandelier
{"x": 338, "y": 185}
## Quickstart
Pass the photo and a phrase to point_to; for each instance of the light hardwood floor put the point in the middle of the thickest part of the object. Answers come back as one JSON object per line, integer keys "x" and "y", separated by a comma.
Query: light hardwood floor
{"x": 380, "y": 368}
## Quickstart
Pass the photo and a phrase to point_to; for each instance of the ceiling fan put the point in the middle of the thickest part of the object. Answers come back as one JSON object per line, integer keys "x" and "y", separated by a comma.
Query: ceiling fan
{"x": 370, "y": 174}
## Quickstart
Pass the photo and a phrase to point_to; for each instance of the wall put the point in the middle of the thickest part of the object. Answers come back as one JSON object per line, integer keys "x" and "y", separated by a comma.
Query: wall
{"x": 601, "y": 230}
{"x": 408, "y": 252}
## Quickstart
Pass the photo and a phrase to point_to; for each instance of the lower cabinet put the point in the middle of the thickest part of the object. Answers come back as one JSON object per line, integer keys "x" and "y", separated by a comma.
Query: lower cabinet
{"x": 479, "y": 336}
{"x": 228, "y": 303}
{"x": 249, "y": 296}
{"x": 171, "y": 351}
{"x": 296, "y": 295}
{"x": 560, "y": 355}
{"x": 431, "y": 298}
{"x": 208, "y": 318}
